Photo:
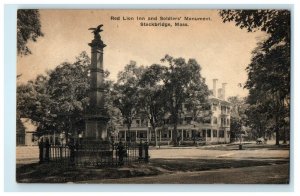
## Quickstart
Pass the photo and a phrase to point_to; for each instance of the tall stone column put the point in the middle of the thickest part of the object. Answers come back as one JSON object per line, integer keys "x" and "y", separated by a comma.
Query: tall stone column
{"x": 96, "y": 115}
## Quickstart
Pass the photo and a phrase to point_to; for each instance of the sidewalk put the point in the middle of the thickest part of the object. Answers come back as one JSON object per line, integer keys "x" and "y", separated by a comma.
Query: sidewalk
{"x": 27, "y": 154}
{"x": 30, "y": 154}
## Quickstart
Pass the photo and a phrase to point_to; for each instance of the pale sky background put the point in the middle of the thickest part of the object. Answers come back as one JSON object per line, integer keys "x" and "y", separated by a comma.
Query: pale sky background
{"x": 222, "y": 50}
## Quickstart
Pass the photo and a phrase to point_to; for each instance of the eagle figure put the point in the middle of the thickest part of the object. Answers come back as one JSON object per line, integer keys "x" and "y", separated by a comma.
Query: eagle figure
{"x": 96, "y": 30}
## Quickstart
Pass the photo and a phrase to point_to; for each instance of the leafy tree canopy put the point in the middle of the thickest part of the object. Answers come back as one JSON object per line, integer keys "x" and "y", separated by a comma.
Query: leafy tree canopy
{"x": 269, "y": 71}
{"x": 28, "y": 29}
{"x": 274, "y": 22}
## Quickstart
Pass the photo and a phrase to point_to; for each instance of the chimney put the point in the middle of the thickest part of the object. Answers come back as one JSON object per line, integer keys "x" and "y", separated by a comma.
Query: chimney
{"x": 215, "y": 87}
{"x": 220, "y": 93}
{"x": 223, "y": 91}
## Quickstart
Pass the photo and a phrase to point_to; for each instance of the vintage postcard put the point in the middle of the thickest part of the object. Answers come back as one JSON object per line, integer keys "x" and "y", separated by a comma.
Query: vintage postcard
{"x": 153, "y": 96}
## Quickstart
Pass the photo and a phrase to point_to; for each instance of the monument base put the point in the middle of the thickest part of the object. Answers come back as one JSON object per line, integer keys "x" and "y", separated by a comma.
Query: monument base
{"x": 93, "y": 153}
{"x": 96, "y": 144}
{"x": 96, "y": 130}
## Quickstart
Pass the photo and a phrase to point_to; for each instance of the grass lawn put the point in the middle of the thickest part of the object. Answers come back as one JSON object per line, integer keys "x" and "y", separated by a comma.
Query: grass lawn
{"x": 54, "y": 173}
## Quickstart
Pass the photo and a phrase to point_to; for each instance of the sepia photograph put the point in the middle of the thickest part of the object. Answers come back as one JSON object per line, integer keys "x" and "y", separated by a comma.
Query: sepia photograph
{"x": 153, "y": 96}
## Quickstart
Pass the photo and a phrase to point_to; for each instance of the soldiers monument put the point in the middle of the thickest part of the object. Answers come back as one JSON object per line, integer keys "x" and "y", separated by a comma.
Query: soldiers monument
{"x": 96, "y": 116}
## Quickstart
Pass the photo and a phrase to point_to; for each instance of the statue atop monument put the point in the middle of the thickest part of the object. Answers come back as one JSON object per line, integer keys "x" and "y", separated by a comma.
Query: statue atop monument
{"x": 97, "y": 42}
{"x": 97, "y": 30}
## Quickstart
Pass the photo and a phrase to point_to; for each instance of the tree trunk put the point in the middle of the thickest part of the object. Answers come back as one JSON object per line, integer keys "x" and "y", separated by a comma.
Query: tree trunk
{"x": 128, "y": 135}
{"x": 174, "y": 134}
{"x": 260, "y": 131}
{"x": 68, "y": 130}
{"x": 277, "y": 131}
{"x": 277, "y": 135}
{"x": 285, "y": 135}
{"x": 155, "y": 135}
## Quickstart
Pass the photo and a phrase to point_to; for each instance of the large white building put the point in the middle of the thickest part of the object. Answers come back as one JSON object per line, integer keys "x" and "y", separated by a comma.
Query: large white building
{"x": 212, "y": 126}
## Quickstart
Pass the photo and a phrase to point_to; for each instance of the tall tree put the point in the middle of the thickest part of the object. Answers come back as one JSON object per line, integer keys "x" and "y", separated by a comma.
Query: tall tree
{"x": 151, "y": 96}
{"x": 182, "y": 82}
{"x": 50, "y": 99}
{"x": 34, "y": 103}
{"x": 113, "y": 112}
{"x": 269, "y": 70}
{"x": 28, "y": 29}
{"x": 126, "y": 95}
{"x": 68, "y": 87}
{"x": 57, "y": 101}
{"x": 238, "y": 117}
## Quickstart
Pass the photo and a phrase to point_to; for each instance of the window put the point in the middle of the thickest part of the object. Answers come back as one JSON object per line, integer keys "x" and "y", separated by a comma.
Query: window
{"x": 188, "y": 120}
{"x": 185, "y": 134}
{"x": 152, "y": 134}
{"x": 221, "y": 133}
{"x": 223, "y": 109}
{"x": 165, "y": 135}
{"x": 208, "y": 133}
{"x": 203, "y": 133}
{"x": 142, "y": 134}
{"x": 183, "y": 106}
{"x": 215, "y": 120}
{"x": 215, "y": 133}
{"x": 223, "y": 121}
{"x": 207, "y": 107}
{"x": 207, "y": 120}
{"x": 137, "y": 122}
{"x": 180, "y": 121}
{"x": 199, "y": 120}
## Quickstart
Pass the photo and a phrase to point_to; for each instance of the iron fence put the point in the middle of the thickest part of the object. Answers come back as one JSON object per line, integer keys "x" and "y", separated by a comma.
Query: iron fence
{"x": 94, "y": 155}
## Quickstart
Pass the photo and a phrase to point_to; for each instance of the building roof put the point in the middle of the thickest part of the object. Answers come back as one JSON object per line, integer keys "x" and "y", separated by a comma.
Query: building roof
{"x": 29, "y": 126}
{"x": 212, "y": 98}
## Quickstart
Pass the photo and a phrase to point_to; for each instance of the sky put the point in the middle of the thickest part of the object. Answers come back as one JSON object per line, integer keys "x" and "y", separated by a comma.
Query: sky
{"x": 222, "y": 49}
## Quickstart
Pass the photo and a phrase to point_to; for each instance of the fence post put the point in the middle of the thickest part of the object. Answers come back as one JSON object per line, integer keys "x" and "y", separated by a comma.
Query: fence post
{"x": 113, "y": 152}
{"x": 61, "y": 152}
{"x": 41, "y": 155}
{"x": 146, "y": 152}
{"x": 47, "y": 154}
{"x": 140, "y": 150}
{"x": 72, "y": 153}
{"x": 121, "y": 151}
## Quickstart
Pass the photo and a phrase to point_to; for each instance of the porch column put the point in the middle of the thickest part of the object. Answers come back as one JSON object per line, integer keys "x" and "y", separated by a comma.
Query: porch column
{"x": 135, "y": 135}
{"x": 181, "y": 134}
{"x": 147, "y": 133}
{"x": 54, "y": 138}
{"x": 160, "y": 136}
